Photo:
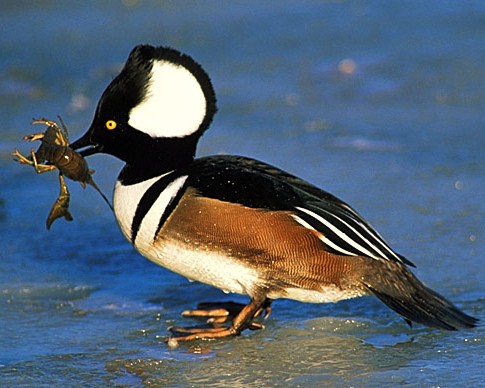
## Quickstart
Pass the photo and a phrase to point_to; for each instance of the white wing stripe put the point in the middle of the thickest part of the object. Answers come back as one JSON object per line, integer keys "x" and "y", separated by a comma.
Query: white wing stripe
{"x": 360, "y": 235}
{"x": 379, "y": 239}
{"x": 336, "y": 247}
{"x": 323, "y": 238}
{"x": 338, "y": 232}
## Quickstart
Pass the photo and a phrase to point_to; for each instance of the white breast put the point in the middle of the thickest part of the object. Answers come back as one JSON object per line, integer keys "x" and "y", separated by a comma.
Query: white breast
{"x": 125, "y": 202}
{"x": 200, "y": 265}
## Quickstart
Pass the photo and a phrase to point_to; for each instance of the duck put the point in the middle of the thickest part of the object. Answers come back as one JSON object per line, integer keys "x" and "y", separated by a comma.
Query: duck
{"x": 232, "y": 222}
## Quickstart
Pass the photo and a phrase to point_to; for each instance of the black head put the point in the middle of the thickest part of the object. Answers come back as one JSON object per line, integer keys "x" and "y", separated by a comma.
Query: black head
{"x": 154, "y": 111}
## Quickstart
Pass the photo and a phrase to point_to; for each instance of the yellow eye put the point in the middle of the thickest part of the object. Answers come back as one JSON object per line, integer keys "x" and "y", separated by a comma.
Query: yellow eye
{"x": 110, "y": 125}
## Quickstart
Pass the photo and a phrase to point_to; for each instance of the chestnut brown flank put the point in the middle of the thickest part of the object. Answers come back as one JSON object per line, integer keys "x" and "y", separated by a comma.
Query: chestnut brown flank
{"x": 288, "y": 254}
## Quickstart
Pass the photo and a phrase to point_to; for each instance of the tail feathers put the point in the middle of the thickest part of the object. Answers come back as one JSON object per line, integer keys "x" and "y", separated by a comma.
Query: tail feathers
{"x": 428, "y": 308}
{"x": 399, "y": 289}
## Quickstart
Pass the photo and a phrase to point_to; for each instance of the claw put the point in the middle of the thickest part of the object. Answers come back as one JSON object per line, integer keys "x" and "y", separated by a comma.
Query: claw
{"x": 21, "y": 158}
{"x": 31, "y": 160}
{"x": 39, "y": 167}
{"x": 34, "y": 137}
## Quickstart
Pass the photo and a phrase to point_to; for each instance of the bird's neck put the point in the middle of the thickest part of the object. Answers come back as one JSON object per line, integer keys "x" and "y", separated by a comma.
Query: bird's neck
{"x": 158, "y": 159}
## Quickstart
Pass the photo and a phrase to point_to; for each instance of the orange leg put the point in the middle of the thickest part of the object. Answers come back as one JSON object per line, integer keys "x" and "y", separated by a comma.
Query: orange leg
{"x": 220, "y": 312}
{"x": 243, "y": 319}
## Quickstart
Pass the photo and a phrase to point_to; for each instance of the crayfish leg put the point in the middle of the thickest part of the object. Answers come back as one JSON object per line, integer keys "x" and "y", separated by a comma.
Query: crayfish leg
{"x": 38, "y": 167}
{"x": 34, "y": 137}
{"x": 21, "y": 158}
{"x": 63, "y": 131}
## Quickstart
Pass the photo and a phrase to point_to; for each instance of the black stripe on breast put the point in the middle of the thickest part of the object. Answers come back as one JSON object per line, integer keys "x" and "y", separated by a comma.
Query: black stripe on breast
{"x": 170, "y": 207}
{"x": 149, "y": 198}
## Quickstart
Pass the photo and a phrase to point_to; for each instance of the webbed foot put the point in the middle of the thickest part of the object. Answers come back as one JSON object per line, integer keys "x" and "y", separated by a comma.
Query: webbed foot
{"x": 215, "y": 313}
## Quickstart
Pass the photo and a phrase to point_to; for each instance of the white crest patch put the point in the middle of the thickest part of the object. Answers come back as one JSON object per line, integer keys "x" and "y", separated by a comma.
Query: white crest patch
{"x": 174, "y": 104}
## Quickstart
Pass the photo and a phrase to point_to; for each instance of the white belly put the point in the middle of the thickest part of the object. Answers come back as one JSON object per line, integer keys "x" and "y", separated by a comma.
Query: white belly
{"x": 207, "y": 267}
{"x": 229, "y": 275}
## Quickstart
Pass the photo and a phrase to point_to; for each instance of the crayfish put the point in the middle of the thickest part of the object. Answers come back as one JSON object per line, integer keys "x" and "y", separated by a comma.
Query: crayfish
{"x": 54, "y": 153}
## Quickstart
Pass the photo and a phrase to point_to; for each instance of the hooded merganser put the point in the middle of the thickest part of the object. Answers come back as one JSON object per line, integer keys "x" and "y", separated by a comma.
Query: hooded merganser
{"x": 232, "y": 222}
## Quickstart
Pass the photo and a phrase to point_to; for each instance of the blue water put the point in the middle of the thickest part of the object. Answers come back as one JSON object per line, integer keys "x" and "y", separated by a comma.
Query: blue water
{"x": 380, "y": 103}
